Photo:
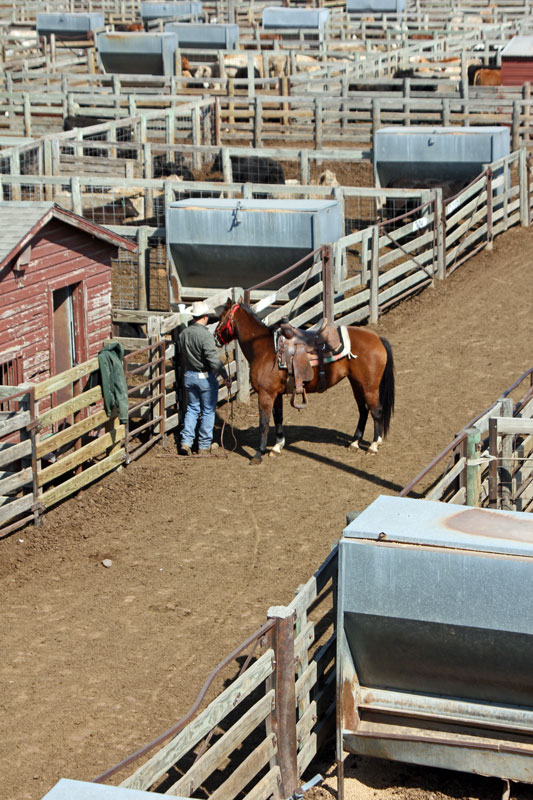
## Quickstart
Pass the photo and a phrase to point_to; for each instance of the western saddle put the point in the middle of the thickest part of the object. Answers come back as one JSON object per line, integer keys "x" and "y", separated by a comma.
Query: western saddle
{"x": 300, "y": 350}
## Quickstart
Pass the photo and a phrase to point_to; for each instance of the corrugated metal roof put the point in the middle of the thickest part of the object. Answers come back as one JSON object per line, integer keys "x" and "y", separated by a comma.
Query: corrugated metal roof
{"x": 19, "y": 219}
{"x": 519, "y": 47}
{"x": 16, "y": 220}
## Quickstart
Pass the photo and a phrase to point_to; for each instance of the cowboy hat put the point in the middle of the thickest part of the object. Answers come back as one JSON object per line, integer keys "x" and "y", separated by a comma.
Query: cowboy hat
{"x": 199, "y": 309}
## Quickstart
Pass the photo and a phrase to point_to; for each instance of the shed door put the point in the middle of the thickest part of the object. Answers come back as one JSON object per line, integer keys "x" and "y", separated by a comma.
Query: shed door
{"x": 66, "y": 344}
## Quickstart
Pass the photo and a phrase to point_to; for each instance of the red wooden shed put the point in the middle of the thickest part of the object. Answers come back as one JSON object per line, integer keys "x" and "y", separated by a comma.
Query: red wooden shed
{"x": 517, "y": 61}
{"x": 55, "y": 289}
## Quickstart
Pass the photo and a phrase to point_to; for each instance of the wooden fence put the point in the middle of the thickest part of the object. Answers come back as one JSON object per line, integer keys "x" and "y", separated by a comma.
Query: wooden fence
{"x": 261, "y": 732}
{"x": 490, "y": 462}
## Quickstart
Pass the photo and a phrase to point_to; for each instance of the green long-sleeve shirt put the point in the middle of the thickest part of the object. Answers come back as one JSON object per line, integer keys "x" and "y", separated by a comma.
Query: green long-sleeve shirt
{"x": 198, "y": 350}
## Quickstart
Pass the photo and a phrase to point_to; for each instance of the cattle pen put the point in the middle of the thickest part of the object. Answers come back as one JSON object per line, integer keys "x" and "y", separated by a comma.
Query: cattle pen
{"x": 128, "y": 570}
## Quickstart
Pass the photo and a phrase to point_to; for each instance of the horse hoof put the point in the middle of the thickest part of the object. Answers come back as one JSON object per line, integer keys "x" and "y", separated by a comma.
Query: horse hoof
{"x": 274, "y": 453}
{"x": 255, "y": 460}
{"x": 354, "y": 444}
{"x": 373, "y": 449}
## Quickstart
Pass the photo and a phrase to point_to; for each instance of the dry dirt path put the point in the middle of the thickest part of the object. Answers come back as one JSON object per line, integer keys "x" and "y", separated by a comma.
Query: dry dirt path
{"x": 96, "y": 661}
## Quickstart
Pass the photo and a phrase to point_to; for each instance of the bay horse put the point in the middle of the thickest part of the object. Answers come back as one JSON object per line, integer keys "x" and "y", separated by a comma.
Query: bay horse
{"x": 369, "y": 367}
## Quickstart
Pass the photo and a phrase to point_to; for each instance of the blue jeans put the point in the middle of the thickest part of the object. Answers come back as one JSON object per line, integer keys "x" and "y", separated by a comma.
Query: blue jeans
{"x": 202, "y": 396}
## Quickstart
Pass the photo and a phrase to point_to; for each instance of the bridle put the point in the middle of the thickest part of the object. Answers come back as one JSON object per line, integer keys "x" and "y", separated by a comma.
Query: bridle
{"x": 228, "y": 327}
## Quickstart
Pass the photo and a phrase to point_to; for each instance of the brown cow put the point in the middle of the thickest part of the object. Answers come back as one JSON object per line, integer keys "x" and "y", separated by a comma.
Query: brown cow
{"x": 488, "y": 77}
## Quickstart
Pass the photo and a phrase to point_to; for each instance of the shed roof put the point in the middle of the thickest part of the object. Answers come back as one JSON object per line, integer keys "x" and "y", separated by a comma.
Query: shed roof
{"x": 20, "y": 221}
{"x": 519, "y": 47}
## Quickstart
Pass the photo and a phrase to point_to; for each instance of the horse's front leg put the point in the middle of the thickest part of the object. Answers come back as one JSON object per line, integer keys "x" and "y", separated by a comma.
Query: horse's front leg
{"x": 278, "y": 421}
{"x": 265, "y": 410}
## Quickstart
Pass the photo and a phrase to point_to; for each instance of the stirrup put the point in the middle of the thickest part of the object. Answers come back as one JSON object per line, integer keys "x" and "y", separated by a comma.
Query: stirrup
{"x": 295, "y": 404}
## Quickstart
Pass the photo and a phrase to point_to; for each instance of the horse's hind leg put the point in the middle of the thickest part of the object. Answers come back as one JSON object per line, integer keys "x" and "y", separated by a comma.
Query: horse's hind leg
{"x": 265, "y": 410}
{"x": 278, "y": 421}
{"x": 377, "y": 416}
{"x": 363, "y": 413}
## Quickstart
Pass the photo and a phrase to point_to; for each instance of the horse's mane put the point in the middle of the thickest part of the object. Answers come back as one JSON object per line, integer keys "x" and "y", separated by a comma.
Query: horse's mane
{"x": 253, "y": 314}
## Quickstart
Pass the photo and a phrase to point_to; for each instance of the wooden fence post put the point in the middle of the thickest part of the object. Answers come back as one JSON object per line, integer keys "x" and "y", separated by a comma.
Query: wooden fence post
{"x": 304, "y": 167}
{"x": 284, "y": 721}
{"x": 258, "y": 122}
{"x": 515, "y": 128}
{"x": 439, "y": 222}
{"x": 374, "y": 276}
{"x": 75, "y": 191}
{"x": 376, "y": 116}
{"x": 242, "y": 368}
{"x": 522, "y": 180}
{"x": 473, "y": 470}
{"x": 142, "y": 264}
{"x": 318, "y": 123}
{"x": 505, "y": 471}
{"x": 490, "y": 203}
{"x": 327, "y": 282}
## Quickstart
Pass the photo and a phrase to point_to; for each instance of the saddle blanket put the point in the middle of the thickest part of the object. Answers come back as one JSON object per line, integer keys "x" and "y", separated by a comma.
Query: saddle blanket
{"x": 341, "y": 352}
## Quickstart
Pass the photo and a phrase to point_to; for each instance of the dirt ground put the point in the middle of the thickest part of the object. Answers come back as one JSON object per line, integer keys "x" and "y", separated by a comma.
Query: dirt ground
{"x": 97, "y": 661}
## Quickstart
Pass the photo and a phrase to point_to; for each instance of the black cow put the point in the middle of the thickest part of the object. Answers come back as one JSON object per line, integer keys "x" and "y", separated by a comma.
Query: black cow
{"x": 252, "y": 169}
{"x": 163, "y": 168}
{"x": 384, "y": 86}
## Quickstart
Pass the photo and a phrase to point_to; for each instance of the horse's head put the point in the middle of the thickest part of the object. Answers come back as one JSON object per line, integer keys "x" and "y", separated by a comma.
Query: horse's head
{"x": 225, "y": 330}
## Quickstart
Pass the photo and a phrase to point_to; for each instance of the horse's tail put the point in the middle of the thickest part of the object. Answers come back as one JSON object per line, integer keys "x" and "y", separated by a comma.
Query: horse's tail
{"x": 386, "y": 387}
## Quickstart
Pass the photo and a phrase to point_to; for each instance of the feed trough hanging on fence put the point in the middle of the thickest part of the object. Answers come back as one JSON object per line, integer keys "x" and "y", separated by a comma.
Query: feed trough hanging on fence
{"x": 182, "y": 8}
{"x": 215, "y": 244}
{"x": 375, "y": 6}
{"x": 138, "y": 53}
{"x": 69, "y": 25}
{"x": 312, "y": 18}
{"x": 204, "y": 36}
{"x": 435, "y": 637}
{"x": 408, "y": 155}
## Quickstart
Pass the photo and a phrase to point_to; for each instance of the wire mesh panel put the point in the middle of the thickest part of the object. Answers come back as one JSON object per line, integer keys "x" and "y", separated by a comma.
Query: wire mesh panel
{"x": 158, "y": 293}
{"x": 125, "y": 280}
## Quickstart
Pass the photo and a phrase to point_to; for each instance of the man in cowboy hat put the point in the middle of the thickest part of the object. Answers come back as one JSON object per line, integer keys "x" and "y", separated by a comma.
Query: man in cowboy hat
{"x": 201, "y": 365}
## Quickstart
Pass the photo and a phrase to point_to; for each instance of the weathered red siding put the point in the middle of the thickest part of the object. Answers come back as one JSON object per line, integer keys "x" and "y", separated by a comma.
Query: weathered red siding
{"x": 61, "y": 256}
{"x": 517, "y": 71}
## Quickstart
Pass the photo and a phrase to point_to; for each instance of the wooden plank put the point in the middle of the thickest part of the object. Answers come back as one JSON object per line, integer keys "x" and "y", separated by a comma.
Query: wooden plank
{"x": 15, "y": 507}
{"x": 184, "y": 741}
{"x": 90, "y": 450}
{"x": 14, "y": 422}
{"x": 514, "y": 425}
{"x": 57, "y": 440}
{"x": 71, "y": 406}
{"x": 14, "y": 452}
{"x": 65, "y": 378}
{"x": 267, "y": 787}
{"x": 221, "y": 750}
{"x": 305, "y": 683}
{"x": 306, "y": 723}
{"x": 303, "y": 641}
{"x": 307, "y": 753}
{"x": 16, "y": 481}
{"x": 246, "y": 771}
{"x": 437, "y": 492}
{"x": 73, "y": 485}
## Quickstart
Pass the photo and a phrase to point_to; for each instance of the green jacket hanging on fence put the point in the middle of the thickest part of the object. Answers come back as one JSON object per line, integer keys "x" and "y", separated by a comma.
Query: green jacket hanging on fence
{"x": 113, "y": 381}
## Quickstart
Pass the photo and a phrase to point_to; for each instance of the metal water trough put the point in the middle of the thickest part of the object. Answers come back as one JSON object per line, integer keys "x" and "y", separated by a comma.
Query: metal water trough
{"x": 312, "y": 18}
{"x": 205, "y": 36}
{"x": 436, "y": 154}
{"x": 136, "y": 53}
{"x": 67, "y": 789}
{"x": 69, "y": 25}
{"x": 435, "y": 637}
{"x": 213, "y": 244}
{"x": 181, "y": 8}
{"x": 375, "y": 6}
